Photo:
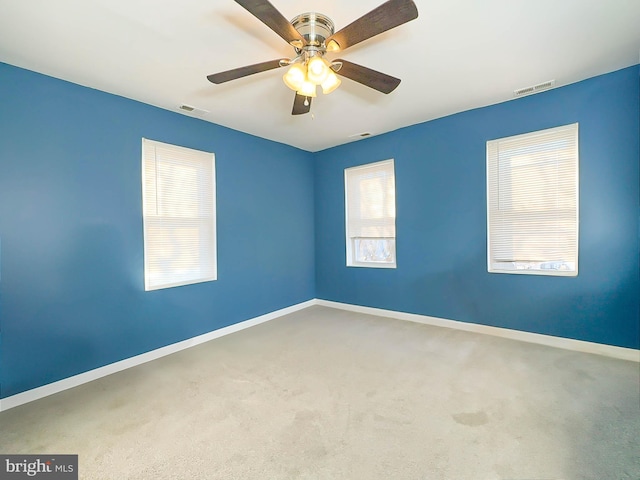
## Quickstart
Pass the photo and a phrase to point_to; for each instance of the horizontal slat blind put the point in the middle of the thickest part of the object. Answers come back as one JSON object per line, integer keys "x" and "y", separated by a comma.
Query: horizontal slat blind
{"x": 532, "y": 182}
{"x": 370, "y": 198}
{"x": 371, "y": 202}
{"x": 179, "y": 215}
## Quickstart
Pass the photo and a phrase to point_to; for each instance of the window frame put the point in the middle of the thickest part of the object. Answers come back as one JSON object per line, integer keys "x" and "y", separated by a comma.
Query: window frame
{"x": 351, "y": 241}
{"x": 204, "y": 221}
{"x": 554, "y": 267}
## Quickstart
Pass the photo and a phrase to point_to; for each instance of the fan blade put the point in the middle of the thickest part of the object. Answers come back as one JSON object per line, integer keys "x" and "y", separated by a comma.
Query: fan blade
{"x": 272, "y": 18}
{"x": 243, "y": 71}
{"x": 379, "y": 81}
{"x": 299, "y": 106}
{"x": 387, "y": 16}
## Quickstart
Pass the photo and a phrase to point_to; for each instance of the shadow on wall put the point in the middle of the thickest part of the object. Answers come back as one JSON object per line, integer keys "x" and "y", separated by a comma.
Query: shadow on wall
{"x": 82, "y": 310}
{"x": 559, "y": 306}
{"x": 78, "y": 296}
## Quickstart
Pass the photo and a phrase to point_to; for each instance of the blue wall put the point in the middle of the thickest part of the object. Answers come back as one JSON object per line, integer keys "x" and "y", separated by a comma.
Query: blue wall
{"x": 71, "y": 290}
{"x": 441, "y": 218}
{"x": 71, "y": 258}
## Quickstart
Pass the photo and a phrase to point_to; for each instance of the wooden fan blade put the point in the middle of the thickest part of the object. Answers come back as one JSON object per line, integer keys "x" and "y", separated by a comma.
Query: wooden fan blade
{"x": 272, "y": 18}
{"x": 299, "y": 106}
{"x": 387, "y": 16}
{"x": 371, "y": 78}
{"x": 243, "y": 71}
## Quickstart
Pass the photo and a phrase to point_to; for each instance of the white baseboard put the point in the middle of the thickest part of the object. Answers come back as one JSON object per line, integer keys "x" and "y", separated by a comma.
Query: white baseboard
{"x": 621, "y": 353}
{"x": 548, "y": 340}
{"x": 76, "y": 380}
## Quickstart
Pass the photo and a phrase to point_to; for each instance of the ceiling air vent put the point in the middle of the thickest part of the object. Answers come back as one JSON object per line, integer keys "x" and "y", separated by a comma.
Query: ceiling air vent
{"x": 534, "y": 88}
{"x": 193, "y": 110}
{"x": 358, "y": 135}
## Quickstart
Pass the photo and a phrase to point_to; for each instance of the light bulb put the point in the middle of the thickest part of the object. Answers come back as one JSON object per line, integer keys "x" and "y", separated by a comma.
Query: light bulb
{"x": 317, "y": 70}
{"x": 295, "y": 77}
{"x": 331, "y": 83}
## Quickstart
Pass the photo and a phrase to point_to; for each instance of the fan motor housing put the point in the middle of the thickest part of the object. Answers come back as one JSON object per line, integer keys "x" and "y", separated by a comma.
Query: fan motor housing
{"x": 314, "y": 27}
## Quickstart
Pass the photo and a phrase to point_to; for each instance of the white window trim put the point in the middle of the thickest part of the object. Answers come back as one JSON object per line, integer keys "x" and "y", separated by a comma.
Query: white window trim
{"x": 350, "y": 242}
{"x": 574, "y": 129}
{"x": 211, "y": 275}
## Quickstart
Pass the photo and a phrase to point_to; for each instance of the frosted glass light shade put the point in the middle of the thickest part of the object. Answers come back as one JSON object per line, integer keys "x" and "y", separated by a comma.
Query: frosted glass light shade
{"x": 317, "y": 70}
{"x": 330, "y": 83}
{"x": 307, "y": 89}
{"x": 295, "y": 77}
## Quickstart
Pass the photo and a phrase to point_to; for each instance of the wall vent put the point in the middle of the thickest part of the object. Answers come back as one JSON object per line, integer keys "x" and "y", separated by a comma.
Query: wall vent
{"x": 534, "y": 88}
{"x": 191, "y": 109}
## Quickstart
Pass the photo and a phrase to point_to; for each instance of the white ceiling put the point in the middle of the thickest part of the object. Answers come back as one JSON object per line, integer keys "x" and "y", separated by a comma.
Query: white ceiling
{"x": 457, "y": 55}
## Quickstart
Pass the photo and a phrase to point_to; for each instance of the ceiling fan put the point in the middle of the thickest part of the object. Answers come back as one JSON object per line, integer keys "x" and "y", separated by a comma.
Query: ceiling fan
{"x": 312, "y": 36}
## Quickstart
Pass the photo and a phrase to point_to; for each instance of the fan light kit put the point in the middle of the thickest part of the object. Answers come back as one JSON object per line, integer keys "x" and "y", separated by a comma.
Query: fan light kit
{"x": 312, "y": 36}
{"x": 309, "y": 69}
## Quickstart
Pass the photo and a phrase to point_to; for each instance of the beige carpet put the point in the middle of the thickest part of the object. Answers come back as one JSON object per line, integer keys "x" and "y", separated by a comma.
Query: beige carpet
{"x": 327, "y": 394}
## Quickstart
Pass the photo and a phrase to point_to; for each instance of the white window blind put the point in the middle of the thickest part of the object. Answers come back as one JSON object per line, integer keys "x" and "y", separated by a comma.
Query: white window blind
{"x": 178, "y": 190}
{"x": 532, "y": 196}
{"x": 370, "y": 204}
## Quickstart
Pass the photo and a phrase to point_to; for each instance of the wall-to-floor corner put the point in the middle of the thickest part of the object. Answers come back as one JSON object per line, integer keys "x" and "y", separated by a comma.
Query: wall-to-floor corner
{"x": 72, "y": 290}
{"x": 441, "y": 218}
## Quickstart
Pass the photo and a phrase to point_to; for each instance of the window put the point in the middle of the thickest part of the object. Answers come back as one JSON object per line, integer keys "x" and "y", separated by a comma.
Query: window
{"x": 370, "y": 204}
{"x": 178, "y": 197}
{"x": 532, "y": 198}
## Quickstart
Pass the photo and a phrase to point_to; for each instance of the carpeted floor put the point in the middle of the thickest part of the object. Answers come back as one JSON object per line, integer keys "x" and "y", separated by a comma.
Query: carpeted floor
{"x": 328, "y": 394}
